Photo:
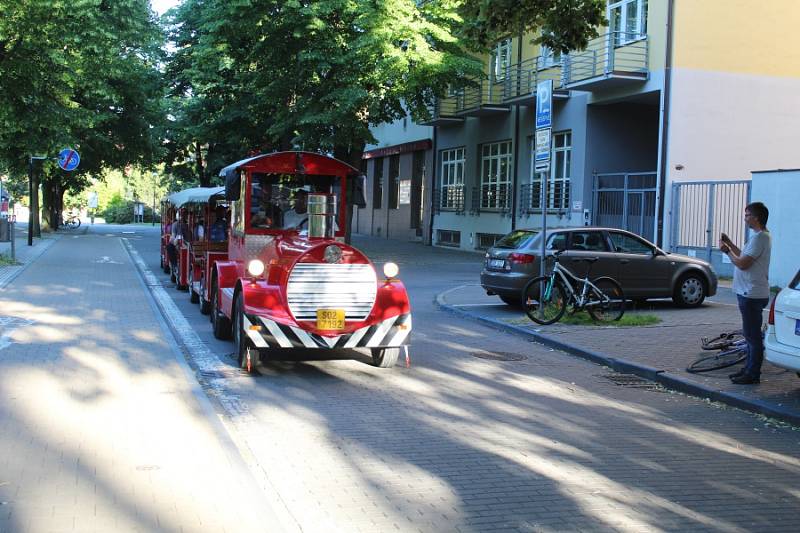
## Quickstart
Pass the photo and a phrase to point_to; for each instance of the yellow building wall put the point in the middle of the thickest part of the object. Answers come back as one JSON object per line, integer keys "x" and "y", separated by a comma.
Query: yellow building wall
{"x": 738, "y": 36}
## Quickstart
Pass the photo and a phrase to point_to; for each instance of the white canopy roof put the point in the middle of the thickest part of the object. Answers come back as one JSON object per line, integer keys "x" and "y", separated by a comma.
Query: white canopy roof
{"x": 194, "y": 195}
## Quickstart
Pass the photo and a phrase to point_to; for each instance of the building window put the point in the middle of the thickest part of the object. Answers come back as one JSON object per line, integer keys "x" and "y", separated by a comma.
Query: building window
{"x": 446, "y": 237}
{"x": 452, "y": 189}
{"x": 627, "y": 20}
{"x": 377, "y": 184}
{"x": 394, "y": 182}
{"x": 548, "y": 57}
{"x": 501, "y": 60}
{"x": 496, "y": 175}
{"x": 560, "y": 173}
{"x": 487, "y": 240}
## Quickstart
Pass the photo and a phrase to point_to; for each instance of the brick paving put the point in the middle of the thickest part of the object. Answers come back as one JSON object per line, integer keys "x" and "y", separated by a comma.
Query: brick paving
{"x": 485, "y": 431}
{"x": 462, "y": 441}
{"x": 668, "y": 347}
{"x": 101, "y": 428}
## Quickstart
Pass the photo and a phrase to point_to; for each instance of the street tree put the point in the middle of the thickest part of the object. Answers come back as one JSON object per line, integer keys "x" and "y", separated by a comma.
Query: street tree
{"x": 79, "y": 74}
{"x": 562, "y": 25}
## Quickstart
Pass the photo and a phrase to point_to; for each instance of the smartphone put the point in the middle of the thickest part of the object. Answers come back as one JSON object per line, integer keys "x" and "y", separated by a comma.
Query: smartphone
{"x": 724, "y": 237}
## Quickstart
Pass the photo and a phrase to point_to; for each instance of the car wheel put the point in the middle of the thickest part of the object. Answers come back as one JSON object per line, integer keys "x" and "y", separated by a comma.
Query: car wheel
{"x": 690, "y": 291}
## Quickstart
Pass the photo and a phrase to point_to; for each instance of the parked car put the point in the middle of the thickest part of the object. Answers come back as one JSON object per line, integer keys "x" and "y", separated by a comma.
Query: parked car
{"x": 642, "y": 268}
{"x": 782, "y": 341}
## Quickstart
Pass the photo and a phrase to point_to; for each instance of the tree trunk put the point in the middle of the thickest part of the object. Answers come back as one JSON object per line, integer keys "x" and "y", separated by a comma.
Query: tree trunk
{"x": 35, "y": 230}
{"x": 52, "y": 200}
{"x": 201, "y": 172}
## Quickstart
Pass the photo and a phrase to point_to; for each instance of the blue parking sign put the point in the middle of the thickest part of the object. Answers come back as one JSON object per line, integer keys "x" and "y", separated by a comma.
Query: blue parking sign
{"x": 544, "y": 104}
{"x": 68, "y": 159}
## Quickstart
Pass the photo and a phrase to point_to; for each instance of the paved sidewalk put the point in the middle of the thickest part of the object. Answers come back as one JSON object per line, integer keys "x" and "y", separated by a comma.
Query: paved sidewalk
{"x": 659, "y": 353}
{"x": 23, "y": 254}
{"x": 102, "y": 426}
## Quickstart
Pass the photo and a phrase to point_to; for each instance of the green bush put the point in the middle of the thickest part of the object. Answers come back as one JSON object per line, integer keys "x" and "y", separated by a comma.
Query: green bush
{"x": 120, "y": 211}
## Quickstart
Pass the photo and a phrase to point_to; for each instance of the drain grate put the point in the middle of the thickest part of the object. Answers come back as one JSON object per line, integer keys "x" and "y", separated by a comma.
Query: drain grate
{"x": 498, "y": 356}
{"x": 632, "y": 381}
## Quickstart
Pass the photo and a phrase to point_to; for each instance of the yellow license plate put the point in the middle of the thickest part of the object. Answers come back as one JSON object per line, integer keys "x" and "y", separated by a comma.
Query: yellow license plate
{"x": 330, "y": 319}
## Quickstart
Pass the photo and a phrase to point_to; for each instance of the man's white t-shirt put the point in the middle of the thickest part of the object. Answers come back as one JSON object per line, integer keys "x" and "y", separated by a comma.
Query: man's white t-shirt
{"x": 754, "y": 282}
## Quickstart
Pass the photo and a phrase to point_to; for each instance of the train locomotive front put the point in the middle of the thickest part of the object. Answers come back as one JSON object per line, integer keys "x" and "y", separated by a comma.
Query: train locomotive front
{"x": 290, "y": 281}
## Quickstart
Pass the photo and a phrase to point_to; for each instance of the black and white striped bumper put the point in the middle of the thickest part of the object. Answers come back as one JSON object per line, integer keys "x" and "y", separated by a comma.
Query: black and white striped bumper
{"x": 391, "y": 332}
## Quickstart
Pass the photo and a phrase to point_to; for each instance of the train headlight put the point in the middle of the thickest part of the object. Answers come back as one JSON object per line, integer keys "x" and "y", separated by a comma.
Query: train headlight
{"x": 255, "y": 267}
{"x": 390, "y": 270}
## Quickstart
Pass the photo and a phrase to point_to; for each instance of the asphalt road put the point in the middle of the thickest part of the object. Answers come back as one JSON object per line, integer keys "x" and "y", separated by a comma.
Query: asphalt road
{"x": 484, "y": 431}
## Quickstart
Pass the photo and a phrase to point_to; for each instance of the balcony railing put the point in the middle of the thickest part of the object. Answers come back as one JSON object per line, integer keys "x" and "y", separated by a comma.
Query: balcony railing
{"x": 520, "y": 84}
{"x": 449, "y": 198}
{"x": 615, "y": 55}
{"x": 493, "y": 197}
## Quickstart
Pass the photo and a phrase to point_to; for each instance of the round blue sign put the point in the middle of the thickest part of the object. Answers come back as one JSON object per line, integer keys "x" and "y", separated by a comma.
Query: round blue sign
{"x": 68, "y": 159}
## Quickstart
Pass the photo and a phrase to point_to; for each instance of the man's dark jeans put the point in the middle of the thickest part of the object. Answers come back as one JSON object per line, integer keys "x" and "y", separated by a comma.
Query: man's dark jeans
{"x": 751, "y": 310}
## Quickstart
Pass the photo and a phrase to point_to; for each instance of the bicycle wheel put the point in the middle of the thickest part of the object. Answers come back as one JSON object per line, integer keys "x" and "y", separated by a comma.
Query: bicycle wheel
{"x": 606, "y": 301}
{"x": 718, "y": 361}
{"x": 550, "y": 307}
{"x": 722, "y": 342}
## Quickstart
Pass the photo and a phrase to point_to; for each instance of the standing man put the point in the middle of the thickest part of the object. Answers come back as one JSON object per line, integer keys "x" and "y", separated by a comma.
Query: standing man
{"x": 751, "y": 285}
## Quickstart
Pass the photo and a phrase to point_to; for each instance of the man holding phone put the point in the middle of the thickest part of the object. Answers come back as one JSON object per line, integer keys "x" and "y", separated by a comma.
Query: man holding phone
{"x": 751, "y": 285}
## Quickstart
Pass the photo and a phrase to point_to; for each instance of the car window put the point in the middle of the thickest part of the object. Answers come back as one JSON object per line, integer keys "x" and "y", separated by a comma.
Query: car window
{"x": 628, "y": 244}
{"x": 515, "y": 239}
{"x": 796, "y": 281}
{"x": 557, "y": 241}
{"x": 591, "y": 241}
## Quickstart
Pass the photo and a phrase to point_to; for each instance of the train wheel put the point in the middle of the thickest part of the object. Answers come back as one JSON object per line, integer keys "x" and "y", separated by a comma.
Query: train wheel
{"x": 385, "y": 357}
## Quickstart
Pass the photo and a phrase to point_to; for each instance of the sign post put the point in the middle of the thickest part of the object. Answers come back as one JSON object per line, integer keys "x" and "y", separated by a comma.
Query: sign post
{"x": 544, "y": 125}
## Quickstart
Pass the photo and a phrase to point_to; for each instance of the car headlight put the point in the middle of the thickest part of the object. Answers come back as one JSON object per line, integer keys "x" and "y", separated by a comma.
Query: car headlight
{"x": 255, "y": 267}
{"x": 390, "y": 270}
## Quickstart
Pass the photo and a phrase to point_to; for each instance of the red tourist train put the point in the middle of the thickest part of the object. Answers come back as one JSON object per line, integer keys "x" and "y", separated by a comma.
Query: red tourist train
{"x": 288, "y": 280}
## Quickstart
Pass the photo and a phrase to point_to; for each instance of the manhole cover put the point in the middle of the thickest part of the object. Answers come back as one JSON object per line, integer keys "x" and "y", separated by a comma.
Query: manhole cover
{"x": 499, "y": 356}
{"x": 632, "y": 381}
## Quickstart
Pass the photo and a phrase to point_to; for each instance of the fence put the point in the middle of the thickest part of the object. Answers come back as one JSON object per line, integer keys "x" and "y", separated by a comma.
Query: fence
{"x": 701, "y": 211}
{"x": 626, "y": 201}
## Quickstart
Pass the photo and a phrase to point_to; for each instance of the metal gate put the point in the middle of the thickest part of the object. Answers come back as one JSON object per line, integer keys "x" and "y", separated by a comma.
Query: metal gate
{"x": 701, "y": 210}
{"x": 626, "y": 201}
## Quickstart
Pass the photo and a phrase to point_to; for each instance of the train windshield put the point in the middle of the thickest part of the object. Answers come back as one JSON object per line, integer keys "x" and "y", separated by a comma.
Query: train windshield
{"x": 278, "y": 201}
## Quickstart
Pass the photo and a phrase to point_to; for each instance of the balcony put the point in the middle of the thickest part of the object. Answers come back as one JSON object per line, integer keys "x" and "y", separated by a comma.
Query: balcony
{"x": 444, "y": 112}
{"x": 484, "y": 100}
{"x": 613, "y": 60}
{"x": 521, "y": 81}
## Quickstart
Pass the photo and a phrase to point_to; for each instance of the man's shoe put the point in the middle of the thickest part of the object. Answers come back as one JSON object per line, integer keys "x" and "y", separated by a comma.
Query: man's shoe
{"x": 744, "y": 379}
{"x": 736, "y": 374}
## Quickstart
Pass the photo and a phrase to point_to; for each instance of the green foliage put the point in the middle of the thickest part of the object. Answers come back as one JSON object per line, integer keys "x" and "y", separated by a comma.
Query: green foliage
{"x": 120, "y": 211}
{"x": 80, "y": 74}
{"x": 563, "y": 25}
{"x": 267, "y": 74}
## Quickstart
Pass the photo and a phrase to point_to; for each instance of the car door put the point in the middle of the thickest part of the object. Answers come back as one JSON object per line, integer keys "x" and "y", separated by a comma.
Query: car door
{"x": 644, "y": 272}
{"x": 587, "y": 243}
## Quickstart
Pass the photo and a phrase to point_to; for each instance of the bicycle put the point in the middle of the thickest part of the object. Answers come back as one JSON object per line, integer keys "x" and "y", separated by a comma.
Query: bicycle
{"x": 732, "y": 350}
{"x": 72, "y": 222}
{"x": 602, "y": 297}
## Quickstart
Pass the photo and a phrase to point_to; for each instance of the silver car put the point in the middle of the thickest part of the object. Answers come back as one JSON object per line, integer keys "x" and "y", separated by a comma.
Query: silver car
{"x": 642, "y": 268}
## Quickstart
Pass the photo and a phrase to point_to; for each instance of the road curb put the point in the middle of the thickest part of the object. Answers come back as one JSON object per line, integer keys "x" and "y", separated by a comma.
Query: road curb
{"x": 664, "y": 378}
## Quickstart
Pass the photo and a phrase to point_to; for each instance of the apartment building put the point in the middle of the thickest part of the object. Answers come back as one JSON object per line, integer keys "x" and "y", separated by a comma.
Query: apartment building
{"x": 399, "y": 183}
{"x": 672, "y": 92}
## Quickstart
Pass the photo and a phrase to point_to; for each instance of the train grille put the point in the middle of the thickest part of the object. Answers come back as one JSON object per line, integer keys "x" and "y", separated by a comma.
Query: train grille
{"x": 315, "y": 286}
